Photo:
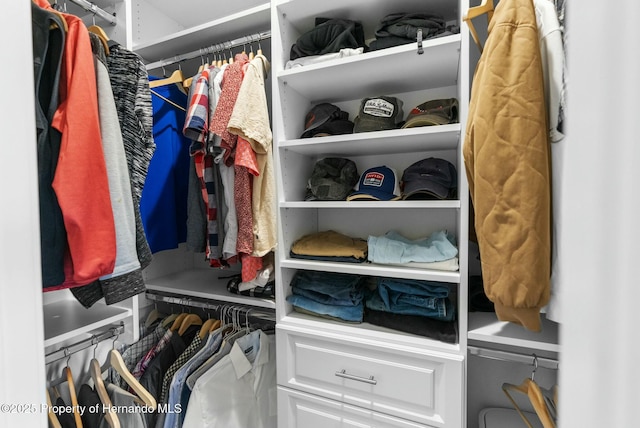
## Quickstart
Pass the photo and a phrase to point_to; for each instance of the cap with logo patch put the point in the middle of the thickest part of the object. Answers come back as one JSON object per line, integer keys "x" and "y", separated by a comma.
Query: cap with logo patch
{"x": 378, "y": 114}
{"x": 378, "y": 184}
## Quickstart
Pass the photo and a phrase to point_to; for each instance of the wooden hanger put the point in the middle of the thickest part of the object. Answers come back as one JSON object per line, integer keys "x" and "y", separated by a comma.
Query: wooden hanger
{"x": 533, "y": 392}
{"x": 59, "y": 14}
{"x": 153, "y": 316}
{"x": 168, "y": 321}
{"x": 188, "y": 321}
{"x": 176, "y": 77}
{"x": 208, "y": 326}
{"x": 68, "y": 378}
{"x": 96, "y": 375}
{"x": 104, "y": 39}
{"x": 485, "y": 7}
{"x": 54, "y": 422}
{"x": 178, "y": 321}
{"x": 115, "y": 361}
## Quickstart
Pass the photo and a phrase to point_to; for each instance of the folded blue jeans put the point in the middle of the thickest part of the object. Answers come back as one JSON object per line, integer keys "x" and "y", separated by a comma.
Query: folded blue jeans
{"x": 346, "y": 313}
{"x": 329, "y": 288}
{"x": 412, "y": 297}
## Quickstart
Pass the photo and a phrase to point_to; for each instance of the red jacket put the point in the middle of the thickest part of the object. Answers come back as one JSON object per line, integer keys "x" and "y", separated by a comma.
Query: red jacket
{"x": 80, "y": 180}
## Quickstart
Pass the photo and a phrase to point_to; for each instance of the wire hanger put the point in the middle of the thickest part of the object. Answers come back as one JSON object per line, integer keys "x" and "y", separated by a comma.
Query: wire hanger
{"x": 486, "y": 7}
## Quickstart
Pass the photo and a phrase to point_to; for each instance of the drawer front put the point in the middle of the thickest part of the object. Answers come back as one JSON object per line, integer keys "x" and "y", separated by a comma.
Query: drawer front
{"x": 301, "y": 410}
{"x": 420, "y": 386}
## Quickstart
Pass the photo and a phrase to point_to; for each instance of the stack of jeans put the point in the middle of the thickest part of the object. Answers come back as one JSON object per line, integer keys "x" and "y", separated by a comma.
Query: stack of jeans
{"x": 413, "y": 306}
{"x": 328, "y": 294}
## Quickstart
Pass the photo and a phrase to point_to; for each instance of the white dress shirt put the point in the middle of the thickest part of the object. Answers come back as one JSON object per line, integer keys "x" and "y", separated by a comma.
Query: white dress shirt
{"x": 240, "y": 390}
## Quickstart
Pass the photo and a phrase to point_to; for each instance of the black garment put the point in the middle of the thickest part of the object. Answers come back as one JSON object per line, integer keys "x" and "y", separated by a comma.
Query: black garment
{"x": 66, "y": 419}
{"x": 48, "y": 46}
{"x": 152, "y": 377}
{"x": 328, "y": 36}
{"x": 401, "y": 28}
{"x": 89, "y": 398}
{"x": 444, "y": 331}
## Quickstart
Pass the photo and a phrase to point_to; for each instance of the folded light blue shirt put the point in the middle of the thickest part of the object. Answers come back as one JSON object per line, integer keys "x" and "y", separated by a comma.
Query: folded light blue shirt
{"x": 395, "y": 248}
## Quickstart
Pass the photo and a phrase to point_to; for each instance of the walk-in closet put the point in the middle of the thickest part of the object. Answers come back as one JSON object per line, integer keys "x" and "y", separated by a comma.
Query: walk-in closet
{"x": 301, "y": 214}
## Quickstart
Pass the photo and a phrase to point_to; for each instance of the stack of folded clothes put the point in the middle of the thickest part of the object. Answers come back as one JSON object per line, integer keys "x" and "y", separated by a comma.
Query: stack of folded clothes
{"x": 330, "y": 246}
{"x": 401, "y": 28}
{"x": 435, "y": 252}
{"x": 413, "y": 306}
{"x": 330, "y": 295}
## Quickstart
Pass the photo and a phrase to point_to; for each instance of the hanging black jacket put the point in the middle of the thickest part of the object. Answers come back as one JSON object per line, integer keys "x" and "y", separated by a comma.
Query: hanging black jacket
{"x": 48, "y": 46}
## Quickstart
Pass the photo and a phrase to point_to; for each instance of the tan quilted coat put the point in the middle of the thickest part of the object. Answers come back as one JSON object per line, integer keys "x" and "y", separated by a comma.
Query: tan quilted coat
{"x": 506, "y": 153}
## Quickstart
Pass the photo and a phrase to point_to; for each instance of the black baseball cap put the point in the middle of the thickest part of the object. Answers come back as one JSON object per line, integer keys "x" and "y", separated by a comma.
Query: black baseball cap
{"x": 430, "y": 178}
{"x": 320, "y": 116}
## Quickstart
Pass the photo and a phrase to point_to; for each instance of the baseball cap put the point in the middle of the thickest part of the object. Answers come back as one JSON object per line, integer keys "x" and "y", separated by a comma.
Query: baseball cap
{"x": 320, "y": 116}
{"x": 434, "y": 112}
{"x": 378, "y": 114}
{"x": 332, "y": 179}
{"x": 430, "y": 178}
{"x": 379, "y": 184}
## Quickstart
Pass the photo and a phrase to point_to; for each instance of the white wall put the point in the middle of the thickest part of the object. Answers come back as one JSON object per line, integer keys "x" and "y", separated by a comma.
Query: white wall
{"x": 599, "y": 372}
{"x": 21, "y": 332}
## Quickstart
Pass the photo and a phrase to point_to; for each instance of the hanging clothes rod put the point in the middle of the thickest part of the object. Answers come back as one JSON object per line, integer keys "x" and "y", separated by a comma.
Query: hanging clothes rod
{"x": 213, "y": 48}
{"x": 66, "y": 351}
{"x": 251, "y": 311}
{"x": 90, "y": 7}
{"x": 531, "y": 359}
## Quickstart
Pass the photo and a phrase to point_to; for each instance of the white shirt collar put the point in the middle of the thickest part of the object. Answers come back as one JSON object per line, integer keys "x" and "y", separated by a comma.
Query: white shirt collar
{"x": 240, "y": 362}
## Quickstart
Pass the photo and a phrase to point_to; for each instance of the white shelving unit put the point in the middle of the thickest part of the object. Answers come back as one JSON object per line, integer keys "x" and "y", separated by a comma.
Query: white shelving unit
{"x": 366, "y": 353}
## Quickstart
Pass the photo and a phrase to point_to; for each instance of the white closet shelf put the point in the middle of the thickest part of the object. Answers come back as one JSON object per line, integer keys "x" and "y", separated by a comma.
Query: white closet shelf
{"x": 252, "y": 20}
{"x": 419, "y": 139}
{"x": 376, "y": 335}
{"x": 372, "y": 269}
{"x": 66, "y": 319}
{"x": 452, "y": 204}
{"x": 346, "y": 78}
{"x": 205, "y": 284}
{"x": 485, "y": 327}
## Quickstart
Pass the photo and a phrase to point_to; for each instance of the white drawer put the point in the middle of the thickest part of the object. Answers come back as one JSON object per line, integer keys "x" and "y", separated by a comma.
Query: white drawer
{"x": 301, "y": 410}
{"x": 418, "y": 385}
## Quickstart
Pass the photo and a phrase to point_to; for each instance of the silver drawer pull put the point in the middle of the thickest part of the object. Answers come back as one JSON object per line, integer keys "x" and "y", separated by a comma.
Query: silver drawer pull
{"x": 346, "y": 375}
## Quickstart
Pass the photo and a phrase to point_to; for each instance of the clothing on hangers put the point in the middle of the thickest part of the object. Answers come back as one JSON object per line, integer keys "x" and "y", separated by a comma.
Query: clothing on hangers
{"x": 248, "y": 375}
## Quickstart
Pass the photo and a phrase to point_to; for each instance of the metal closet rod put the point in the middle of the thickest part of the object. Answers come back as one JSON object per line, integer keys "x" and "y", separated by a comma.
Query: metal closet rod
{"x": 66, "y": 351}
{"x": 531, "y": 359}
{"x": 251, "y": 311}
{"x": 213, "y": 48}
{"x": 93, "y": 8}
